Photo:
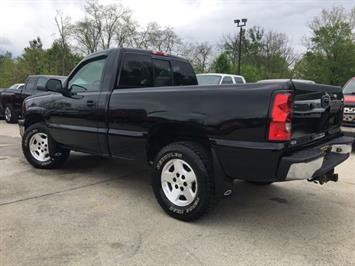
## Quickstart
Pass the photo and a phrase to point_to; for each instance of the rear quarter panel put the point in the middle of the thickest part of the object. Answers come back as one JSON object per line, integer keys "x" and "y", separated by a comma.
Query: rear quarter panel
{"x": 236, "y": 112}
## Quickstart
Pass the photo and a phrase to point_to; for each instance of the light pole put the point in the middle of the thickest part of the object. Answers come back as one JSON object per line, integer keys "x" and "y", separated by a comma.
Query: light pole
{"x": 240, "y": 25}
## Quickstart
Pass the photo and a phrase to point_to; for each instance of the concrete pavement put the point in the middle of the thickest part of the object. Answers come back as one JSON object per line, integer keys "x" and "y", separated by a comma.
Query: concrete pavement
{"x": 98, "y": 211}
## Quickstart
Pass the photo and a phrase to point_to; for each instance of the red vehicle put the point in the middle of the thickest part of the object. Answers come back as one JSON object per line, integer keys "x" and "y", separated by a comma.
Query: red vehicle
{"x": 348, "y": 126}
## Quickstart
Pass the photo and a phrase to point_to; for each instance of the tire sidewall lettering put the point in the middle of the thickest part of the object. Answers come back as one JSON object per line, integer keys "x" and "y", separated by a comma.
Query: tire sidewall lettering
{"x": 27, "y": 141}
{"x": 167, "y": 157}
{"x": 173, "y": 208}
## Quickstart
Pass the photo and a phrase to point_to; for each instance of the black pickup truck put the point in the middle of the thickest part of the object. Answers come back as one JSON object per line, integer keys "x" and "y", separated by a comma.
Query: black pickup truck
{"x": 147, "y": 106}
{"x": 12, "y": 98}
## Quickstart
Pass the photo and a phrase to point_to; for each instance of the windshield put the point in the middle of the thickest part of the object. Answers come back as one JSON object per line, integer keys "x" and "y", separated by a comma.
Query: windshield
{"x": 349, "y": 88}
{"x": 208, "y": 79}
{"x": 14, "y": 87}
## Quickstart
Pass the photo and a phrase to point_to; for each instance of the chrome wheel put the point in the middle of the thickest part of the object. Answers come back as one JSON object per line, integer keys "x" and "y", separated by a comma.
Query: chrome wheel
{"x": 39, "y": 147}
{"x": 179, "y": 182}
{"x": 7, "y": 114}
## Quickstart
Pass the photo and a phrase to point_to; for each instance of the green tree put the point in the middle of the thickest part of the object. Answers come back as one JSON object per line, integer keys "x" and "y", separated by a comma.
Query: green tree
{"x": 222, "y": 64}
{"x": 330, "y": 57}
{"x": 264, "y": 54}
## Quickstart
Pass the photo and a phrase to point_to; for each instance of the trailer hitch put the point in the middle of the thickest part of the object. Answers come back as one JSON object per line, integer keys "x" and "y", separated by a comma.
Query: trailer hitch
{"x": 322, "y": 179}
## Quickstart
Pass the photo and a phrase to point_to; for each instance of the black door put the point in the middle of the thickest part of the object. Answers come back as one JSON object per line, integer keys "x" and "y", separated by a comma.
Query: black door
{"x": 74, "y": 120}
{"x": 26, "y": 92}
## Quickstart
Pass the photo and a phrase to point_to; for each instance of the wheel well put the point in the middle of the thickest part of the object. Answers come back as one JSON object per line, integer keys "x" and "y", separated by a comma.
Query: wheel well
{"x": 164, "y": 135}
{"x": 32, "y": 119}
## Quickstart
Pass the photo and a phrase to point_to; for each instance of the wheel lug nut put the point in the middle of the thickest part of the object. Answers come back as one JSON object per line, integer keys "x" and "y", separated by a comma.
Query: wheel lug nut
{"x": 183, "y": 177}
{"x": 176, "y": 186}
{"x": 177, "y": 174}
{"x": 185, "y": 184}
{"x": 174, "y": 179}
{"x": 181, "y": 188}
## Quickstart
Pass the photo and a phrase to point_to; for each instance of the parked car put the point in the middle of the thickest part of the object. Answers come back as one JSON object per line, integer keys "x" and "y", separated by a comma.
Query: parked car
{"x": 11, "y": 99}
{"x": 146, "y": 106}
{"x": 348, "y": 126}
{"x": 17, "y": 86}
{"x": 219, "y": 79}
{"x": 285, "y": 80}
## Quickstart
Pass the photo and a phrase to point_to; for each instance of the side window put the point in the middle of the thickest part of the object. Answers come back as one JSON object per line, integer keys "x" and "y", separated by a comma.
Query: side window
{"x": 238, "y": 80}
{"x": 227, "y": 80}
{"x": 88, "y": 77}
{"x": 184, "y": 74}
{"x": 30, "y": 83}
{"x": 162, "y": 73}
{"x": 41, "y": 82}
{"x": 137, "y": 71}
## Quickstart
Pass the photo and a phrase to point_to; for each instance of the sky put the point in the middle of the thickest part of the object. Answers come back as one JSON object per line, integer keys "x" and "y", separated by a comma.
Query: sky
{"x": 193, "y": 20}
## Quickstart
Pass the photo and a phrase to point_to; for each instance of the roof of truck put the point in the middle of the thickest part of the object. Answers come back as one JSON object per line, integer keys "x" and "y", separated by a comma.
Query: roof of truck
{"x": 136, "y": 50}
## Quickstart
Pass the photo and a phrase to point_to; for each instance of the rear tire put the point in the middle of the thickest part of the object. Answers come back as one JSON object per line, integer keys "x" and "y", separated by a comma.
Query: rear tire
{"x": 10, "y": 114}
{"x": 40, "y": 150}
{"x": 182, "y": 180}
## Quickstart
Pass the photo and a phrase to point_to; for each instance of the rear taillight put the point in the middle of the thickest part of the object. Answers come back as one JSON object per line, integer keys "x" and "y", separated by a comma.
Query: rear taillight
{"x": 349, "y": 98}
{"x": 280, "y": 123}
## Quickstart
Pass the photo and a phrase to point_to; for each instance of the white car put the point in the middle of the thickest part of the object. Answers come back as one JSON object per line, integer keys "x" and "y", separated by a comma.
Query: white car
{"x": 219, "y": 79}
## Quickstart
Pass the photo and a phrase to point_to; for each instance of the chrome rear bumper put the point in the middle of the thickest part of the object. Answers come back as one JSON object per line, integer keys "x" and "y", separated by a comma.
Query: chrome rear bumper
{"x": 315, "y": 161}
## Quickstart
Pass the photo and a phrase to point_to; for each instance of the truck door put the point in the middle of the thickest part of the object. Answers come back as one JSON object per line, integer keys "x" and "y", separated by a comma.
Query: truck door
{"x": 74, "y": 120}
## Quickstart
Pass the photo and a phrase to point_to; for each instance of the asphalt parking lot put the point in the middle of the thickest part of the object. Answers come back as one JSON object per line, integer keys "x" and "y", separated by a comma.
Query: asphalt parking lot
{"x": 98, "y": 211}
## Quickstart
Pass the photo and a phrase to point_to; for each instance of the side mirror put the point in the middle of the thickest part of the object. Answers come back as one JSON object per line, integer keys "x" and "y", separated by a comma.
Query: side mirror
{"x": 54, "y": 85}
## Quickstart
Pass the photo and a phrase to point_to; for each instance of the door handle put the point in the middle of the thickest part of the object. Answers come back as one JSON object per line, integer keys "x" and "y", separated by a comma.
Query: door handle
{"x": 90, "y": 103}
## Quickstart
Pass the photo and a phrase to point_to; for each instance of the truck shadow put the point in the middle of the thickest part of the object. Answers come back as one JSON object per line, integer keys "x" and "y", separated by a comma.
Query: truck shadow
{"x": 267, "y": 206}
{"x": 297, "y": 205}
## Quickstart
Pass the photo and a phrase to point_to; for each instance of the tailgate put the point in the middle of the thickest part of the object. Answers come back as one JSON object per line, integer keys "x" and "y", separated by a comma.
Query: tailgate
{"x": 317, "y": 111}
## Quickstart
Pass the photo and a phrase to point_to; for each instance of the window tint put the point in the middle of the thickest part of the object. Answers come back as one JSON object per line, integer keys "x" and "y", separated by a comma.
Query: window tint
{"x": 227, "y": 80}
{"x": 137, "y": 71}
{"x": 41, "y": 82}
{"x": 162, "y": 73}
{"x": 30, "y": 83}
{"x": 238, "y": 80}
{"x": 88, "y": 77}
{"x": 183, "y": 74}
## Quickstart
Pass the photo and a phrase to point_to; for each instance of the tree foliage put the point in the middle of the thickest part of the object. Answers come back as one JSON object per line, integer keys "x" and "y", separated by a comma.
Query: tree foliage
{"x": 264, "y": 54}
{"x": 330, "y": 57}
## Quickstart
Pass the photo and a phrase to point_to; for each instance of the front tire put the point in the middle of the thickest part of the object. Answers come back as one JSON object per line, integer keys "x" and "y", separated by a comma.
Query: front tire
{"x": 40, "y": 150}
{"x": 182, "y": 180}
{"x": 10, "y": 114}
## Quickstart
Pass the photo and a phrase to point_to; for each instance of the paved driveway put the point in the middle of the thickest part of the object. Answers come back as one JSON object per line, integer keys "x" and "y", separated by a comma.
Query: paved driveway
{"x": 99, "y": 211}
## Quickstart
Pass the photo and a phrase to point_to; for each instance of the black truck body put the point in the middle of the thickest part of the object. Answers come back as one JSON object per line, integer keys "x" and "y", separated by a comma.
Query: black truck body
{"x": 11, "y": 99}
{"x": 261, "y": 133}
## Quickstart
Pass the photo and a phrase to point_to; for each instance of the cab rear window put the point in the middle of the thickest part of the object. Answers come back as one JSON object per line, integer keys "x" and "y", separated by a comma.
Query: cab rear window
{"x": 184, "y": 74}
{"x": 137, "y": 71}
